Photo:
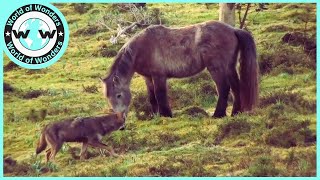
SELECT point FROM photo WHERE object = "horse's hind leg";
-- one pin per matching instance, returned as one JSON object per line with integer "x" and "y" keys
{"x": 160, "y": 86}
{"x": 223, "y": 88}
{"x": 152, "y": 96}
{"x": 235, "y": 87}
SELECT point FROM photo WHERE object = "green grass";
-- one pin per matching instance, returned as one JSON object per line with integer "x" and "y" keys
{"x": 191, "y": 143}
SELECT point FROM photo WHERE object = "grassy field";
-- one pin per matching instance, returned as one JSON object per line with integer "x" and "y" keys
{"x": 278, "y": 139}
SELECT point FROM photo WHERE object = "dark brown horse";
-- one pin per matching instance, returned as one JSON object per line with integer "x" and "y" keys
{"x": 159, "y": 53}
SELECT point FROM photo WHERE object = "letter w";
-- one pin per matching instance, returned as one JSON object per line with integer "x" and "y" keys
{"x": 21, "y": 33}
{"x": 47, "y": 34}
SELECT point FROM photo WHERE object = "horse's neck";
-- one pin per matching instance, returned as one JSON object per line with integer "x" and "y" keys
{"x": 125, "y": 77}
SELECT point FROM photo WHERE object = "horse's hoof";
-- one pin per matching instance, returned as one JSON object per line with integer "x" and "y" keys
{"x": 219, "y": 115}
{"x": 166, "y": 113}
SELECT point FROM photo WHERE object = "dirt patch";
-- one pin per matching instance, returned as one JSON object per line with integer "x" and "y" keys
{"x": 89, "y": 30}
{"x": 294, "y": 100}
{"x": 280, "y": 57}
{"x": 82, "y": 8}
{"x": 7, "y": 87}
{"x": 277, "y": 28}
{"x": 12, "y": 168}
{"x": 10, "y": 66}
{"x": 142, "y": 106}
{"x": 285, "y": 131}
{"x": 194, "y": 111}
{"x": 232, "y": 127}
{"x": 301, "y": 39}
{"x": 105, "y": 51}
{"x": 90, "y": 88}
{"x": 75, "y": 153}
{"x": 34, "y": 93}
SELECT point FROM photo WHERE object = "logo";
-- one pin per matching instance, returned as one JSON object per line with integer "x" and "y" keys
{"x": 35, "y": 36}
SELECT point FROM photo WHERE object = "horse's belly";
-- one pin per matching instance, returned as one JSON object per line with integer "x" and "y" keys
{"x": 179, "y": 68}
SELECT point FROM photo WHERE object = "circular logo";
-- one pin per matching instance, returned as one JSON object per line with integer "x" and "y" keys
{"x": 35, "y": 36}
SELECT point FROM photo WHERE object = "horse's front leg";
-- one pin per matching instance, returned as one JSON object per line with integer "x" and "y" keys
{"x": 160, "y": 89}
{"x": 151, "y": 94}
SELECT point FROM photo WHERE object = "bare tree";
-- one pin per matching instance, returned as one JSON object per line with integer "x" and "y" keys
{"x": 227, "y": 13}
{"x": 122, "y": 25}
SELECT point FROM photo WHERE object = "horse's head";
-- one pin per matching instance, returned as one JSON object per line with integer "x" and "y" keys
{"x": 117, "y": 93}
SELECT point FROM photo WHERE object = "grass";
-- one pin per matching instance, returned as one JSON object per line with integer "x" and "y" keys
{"x": 278, "y": 139}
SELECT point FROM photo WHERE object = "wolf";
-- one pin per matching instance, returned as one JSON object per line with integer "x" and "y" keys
{"x": 88, "y": 130}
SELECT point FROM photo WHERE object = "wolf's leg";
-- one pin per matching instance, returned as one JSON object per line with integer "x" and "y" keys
{"x": 98, "y": 144}
{"x": 152, "y": 96}
{"x": 83, "y": 150}
{"x": 48, "y": 151}
{"x": 160, "y": 89}
{"x": 55, "y": 148}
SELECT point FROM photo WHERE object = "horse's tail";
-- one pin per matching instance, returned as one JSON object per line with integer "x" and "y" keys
{"x": 42, "y": 143}
{"x": 248, "y": 70}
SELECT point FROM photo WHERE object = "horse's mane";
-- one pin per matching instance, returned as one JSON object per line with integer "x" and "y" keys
{"x": 122, "y": 62}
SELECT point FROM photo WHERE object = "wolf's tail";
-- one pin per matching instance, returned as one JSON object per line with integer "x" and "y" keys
{"x": 42, "y": 143}
{"x": 248, "y": 70}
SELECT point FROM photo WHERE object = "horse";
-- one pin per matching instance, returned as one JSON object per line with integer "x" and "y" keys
{"x": 158, "y": 53}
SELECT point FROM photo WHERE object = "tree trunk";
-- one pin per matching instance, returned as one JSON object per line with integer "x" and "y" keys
{"x": 227, "y": 13}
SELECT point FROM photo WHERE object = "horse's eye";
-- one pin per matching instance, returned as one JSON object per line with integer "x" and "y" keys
{"x": 119, "y": 96}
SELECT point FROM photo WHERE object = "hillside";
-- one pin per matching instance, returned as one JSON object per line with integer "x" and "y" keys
{"x": 278, "y": 139}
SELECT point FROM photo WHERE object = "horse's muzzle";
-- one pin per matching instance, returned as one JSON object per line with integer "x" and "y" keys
{"x": 123, "y": 127}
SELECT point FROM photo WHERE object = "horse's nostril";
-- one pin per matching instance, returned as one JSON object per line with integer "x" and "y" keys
{"x": 122, "y": 128}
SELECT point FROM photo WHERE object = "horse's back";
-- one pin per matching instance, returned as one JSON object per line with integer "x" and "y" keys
{"x": 182, "y": 52}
